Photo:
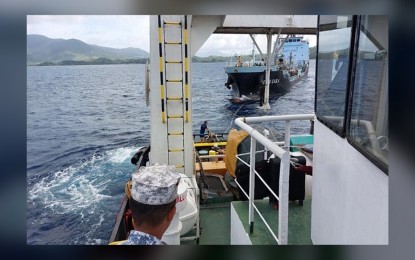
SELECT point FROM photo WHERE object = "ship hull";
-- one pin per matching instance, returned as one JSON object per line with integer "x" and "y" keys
{"x": 245, "y": 82}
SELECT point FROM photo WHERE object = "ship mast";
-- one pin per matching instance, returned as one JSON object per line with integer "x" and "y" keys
{"x": 256, "y": 44}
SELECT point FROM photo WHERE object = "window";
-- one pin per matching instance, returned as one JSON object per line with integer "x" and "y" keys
{"x": 334, "y": 41}
{"x": 368, "y": 127}
{"x": 352, "y": 82}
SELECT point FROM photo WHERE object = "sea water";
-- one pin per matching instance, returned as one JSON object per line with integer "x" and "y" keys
{"x": 84, "y": 123}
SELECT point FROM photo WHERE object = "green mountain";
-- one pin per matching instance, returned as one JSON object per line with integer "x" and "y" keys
{"x": 41, "y": 49}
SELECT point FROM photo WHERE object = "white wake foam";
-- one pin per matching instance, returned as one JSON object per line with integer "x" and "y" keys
{"x": 82, "y": 185}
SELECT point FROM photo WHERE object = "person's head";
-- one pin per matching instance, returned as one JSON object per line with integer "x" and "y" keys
{"x": 205, "y": 122}
{"x": 153, "y": 198}
{"x": 152, "y": 217}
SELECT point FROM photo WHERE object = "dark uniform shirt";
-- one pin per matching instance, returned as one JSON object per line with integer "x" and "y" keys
{"x": 202, "y": 129}
{"x": 141, "y": 238}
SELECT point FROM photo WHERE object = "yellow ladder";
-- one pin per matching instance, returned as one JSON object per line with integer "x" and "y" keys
{"x": 174, "y": 86}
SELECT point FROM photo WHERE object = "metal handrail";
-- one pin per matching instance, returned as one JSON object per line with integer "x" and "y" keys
{"x": 284, "y": 155}
{"x": 217, "y": 134}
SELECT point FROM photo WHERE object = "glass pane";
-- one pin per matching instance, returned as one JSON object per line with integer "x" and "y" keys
{"x": 369, "y": 124}
{"x": 332, "y": 68}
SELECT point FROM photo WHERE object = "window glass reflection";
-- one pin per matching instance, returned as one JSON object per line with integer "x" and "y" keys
{"x": 369, "y": 115}
{"x": 332, "y": 69}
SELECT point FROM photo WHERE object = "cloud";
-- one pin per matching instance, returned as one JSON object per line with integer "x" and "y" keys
{"x": 238, "y": 44}
{"x": 229, "y": 45}
{"x": 122, "y": 31}
{"x": 117, "y": 31}
{"x": 54, "y": 19}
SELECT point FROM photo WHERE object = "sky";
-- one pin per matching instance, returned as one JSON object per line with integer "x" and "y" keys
{"x": 123, "y": 31}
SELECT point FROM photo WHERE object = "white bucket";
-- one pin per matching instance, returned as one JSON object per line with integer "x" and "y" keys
{"x": 172, "y": 234}
{"x": 188, "y": 216}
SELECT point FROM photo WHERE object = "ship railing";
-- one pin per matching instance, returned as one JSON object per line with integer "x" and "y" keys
{"x": 230, "y": 64}
{"x": 371, "y": 136}
{"x": 214, "y": 136}
{"x": 213, "y": 157}
{"x": 244, "y": 64}
{"x": 284, "y": 155}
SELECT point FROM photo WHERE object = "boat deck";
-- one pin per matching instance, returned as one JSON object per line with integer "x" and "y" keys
{"x": 218, "y": 167}
{"x": 215, "y": 223}
{"x": 299, "y": 222}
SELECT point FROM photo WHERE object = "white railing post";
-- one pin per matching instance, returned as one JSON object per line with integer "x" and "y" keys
{"x": 287, "y": 135}
{"x": 266, "y": 134}
{"x": 284, "y": 155}
{"x": 283, "y": 199}
{"x": 252, "y": 184}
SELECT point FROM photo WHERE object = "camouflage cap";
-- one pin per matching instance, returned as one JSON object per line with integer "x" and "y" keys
{"x": 155, "y": 185}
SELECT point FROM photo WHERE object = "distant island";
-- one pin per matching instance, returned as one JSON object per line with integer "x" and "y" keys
{"x": 99, "y": 61}
{"x": 44, "y": 51}
{"x": 104, "y": 61}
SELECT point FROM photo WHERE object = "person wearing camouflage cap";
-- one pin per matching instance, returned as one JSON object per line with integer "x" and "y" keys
{"x": 152, "y": 201}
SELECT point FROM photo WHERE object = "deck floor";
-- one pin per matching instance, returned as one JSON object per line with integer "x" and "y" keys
{"x": 215, "y": 223}
{"x": 299, "y": 222}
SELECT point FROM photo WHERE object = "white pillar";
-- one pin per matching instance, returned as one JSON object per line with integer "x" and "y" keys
{"x": 268, "y": 72}
{"x": 252, "y": 184}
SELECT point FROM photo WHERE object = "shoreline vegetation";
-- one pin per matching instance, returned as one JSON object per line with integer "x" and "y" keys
{"x": 107, "y": 61}
{"x": 44, "y": 51}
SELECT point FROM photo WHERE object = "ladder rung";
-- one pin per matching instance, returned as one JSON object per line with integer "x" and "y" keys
{"x": 176, "y": 43}
{"x": 174, "y": 80}
{"x": 172, "y": 23}
{"x": 173, "y": 62}
{"x": 176, "y": 150}
{"x": 175, "y": 98}
{"x": 175, "y": 133}
{"x": 175, "y": 116}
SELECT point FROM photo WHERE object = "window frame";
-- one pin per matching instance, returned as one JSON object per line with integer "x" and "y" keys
{"x": 351, "y": 64}
{"x": 349, "y": 106}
